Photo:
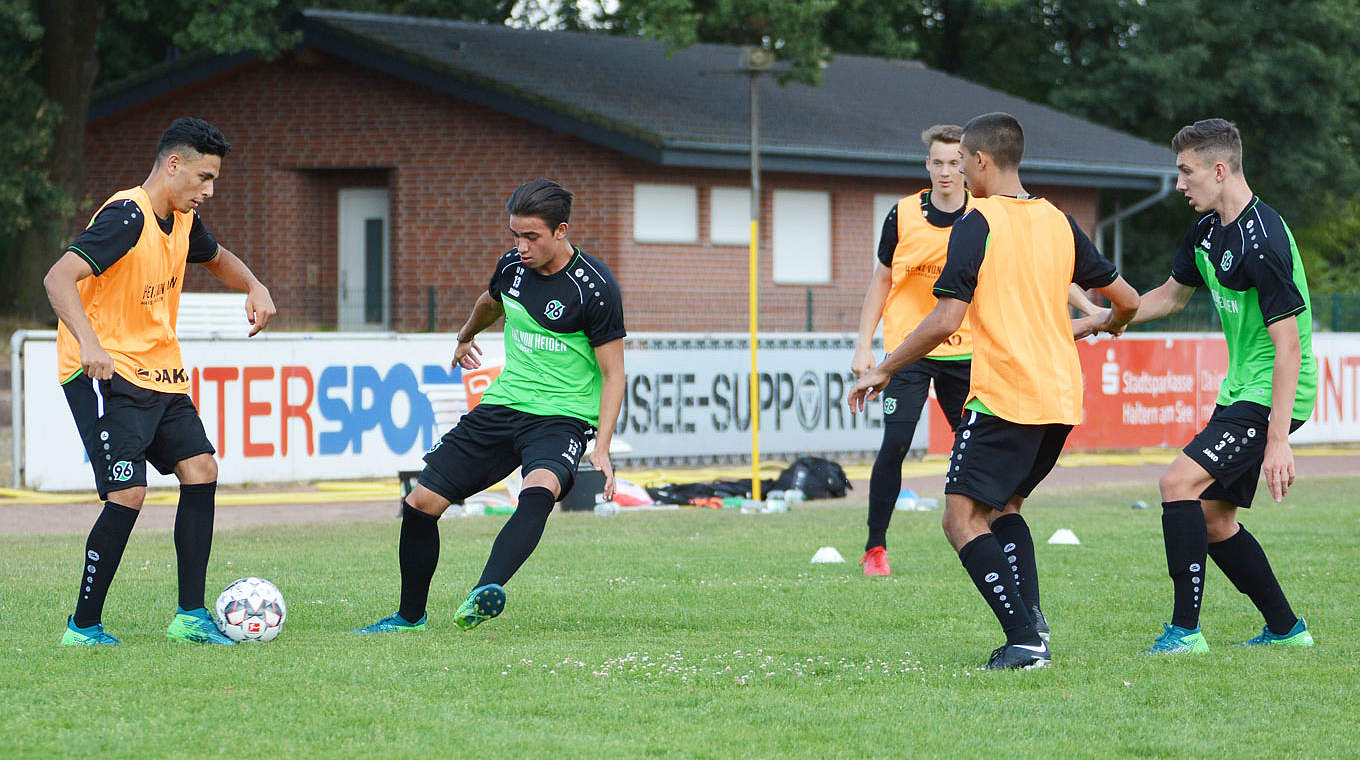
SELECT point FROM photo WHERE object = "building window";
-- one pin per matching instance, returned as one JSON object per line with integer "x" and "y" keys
{"x": 730, "y": 216}
{"x": 665, "y": 213}
{"x": 802, "y": 237}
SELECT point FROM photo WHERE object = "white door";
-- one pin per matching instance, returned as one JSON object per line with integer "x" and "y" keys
{"x": 364, "y": 297}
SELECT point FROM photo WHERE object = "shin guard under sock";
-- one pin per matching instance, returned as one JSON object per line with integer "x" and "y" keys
{"x": 1012, "y": 532}
{"x": 418, "y": 555}
{"x": 987, "y": 566}
{"x": 193, "y": 540}
{"x": 519, "y": 537}
{"x": 103, "y": 551}
{"x": 1187, "y": 548}
{"x": 1242, "y": 559}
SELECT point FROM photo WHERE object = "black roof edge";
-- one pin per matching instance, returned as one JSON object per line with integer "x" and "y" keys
{"x": 122, "y": 96}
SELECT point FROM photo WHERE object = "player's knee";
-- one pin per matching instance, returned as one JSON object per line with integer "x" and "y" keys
{"x": 896, "y": 441}
{"x": 543, "y": 475}
{"x": 131, "y": 498}
{"x": 197, "y": 469}
{"x": 1174, "y": 486}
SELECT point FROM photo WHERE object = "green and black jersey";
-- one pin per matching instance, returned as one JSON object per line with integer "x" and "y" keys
{"x": 1252, "y": 269}
{"x": 553, "y": 324}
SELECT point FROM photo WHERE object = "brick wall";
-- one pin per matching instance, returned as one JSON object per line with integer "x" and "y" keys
{"x": 303, "y": 127}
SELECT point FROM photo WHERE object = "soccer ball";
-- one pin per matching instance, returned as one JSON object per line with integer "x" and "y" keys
{"x": 250, "y": 609}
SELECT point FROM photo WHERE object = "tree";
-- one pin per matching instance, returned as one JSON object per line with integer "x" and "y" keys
{"x": 55, "y": 51}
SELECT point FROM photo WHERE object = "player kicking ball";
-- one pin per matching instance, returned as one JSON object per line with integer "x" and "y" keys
{"x": 1244, "y": 253}
{"x": 563, "y": 379}
{"x": 116, "y": 291}
{"x": 1010, "y": 264}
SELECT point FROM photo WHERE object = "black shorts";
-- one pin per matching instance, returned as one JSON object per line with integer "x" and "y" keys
{"x": 905, "y": 396}
{"x": 995, "y": 459}
{"x": 1232, "y": 448}
{"x": 124, "y": 426}
{"x": 490, "y": 441}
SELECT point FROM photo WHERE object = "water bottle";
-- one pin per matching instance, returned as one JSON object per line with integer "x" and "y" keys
{"x": 606, "y": 509}
{"x": 775, "y": 505}
{"x": 906, "y": 500}
{"x": 750, "y": 506}
{"x": 794, "y": 496}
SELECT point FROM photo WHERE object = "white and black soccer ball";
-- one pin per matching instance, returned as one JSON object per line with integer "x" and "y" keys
{"x": 250, "y": 609}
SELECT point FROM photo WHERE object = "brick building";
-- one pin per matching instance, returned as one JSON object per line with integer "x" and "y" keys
{"x": 371, "y": 165}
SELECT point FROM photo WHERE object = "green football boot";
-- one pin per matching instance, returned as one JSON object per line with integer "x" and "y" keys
{"x": 195, "y": 626}
{"x": 1178, "y": 640}
{"x": 394, "y": 623}
{"x": 1298, "y": 636}
{"x": 91, "y": 636}
{"x": 484, "y": 603}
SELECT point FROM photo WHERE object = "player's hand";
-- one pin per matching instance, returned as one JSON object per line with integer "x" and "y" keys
{"x": 96, "y": 362}
{"x": 867, "y": 389}
{"x": 1278, "y": 468}
{"x": 599, "y": 459}
{"x": 1083, "y": 327}
{"x": 468, "y": 355}
{"x": 862, "y": 362}
{"x": 259, "y": 309}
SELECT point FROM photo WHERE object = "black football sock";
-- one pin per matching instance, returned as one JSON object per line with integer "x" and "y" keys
{"x": 193, "y": 540}
{"x": 1017, "y": 544}
{"x": 992, "y": 575}
{"x": 1242, "y": 559}
{"x": 1187, "y": 549}
{"x": 103, "y": 551}
{"x": 519, "y": 537}
{"x": 885, "y": 481}
{"x": 418, "y": 554}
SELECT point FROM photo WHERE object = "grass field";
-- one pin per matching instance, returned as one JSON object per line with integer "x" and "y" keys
{"x": 695, "y": 634}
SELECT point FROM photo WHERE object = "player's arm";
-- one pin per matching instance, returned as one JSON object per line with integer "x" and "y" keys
{"x": 484, "y": 314}
{"x": 610, "y": 358}
{"x": 1164, "y": 300}
{"x": 1077, "y": 299}
{"x": 232, "y": 272}
{"x": 60, "y": 283}
{"x": 1284, "y": 383}
{"x": 942, "y": 321}
{"x": 880, "y": 282}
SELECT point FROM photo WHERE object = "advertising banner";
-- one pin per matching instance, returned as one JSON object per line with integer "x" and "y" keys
{"x": 289, "y": 407}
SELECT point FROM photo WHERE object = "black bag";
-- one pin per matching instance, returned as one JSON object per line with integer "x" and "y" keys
{"x": 817, "y": 478}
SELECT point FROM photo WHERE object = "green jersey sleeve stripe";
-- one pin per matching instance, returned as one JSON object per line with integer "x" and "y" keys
{"x": 97, "y": 270}
{"x": 1293, "y": 313}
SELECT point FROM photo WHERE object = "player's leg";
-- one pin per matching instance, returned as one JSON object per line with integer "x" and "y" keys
{"x": 1238, "y": 554}
{"x": 107, "y": 422}
{"x": 1013, "y": 533}
{"x": 991, "y": 458}
{"x": 903, "y": 401}
{"x": 1186, "y": 541}
{"x": 1214, "y": 456}
{"x": 181, "y": 446}
{"x": 550, "y": 451}
{"x": 475, "y": 454}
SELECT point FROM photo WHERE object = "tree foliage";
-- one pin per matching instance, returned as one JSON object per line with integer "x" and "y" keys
{"x": 1284, "y": 72}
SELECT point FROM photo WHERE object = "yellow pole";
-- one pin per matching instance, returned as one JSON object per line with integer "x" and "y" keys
{"x": 753, "y": 305}
{"x": 753, "y": 396}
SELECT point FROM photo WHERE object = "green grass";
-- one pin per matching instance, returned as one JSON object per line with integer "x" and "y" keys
{"x": 696, "y": 634}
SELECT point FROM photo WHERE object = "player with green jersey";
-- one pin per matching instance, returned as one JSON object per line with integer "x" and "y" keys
{"x": 563, "y": 379}
{"x": 1244, "y": 254}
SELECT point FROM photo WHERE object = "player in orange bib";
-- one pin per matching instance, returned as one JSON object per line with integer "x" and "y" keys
{"x": 911, "y": 253}
{"x": 1011, "y": 262}
{"x": 116, "y": 291}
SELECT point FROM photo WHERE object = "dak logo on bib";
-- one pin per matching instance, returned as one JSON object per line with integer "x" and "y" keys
{"x": 554, "y": 309}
